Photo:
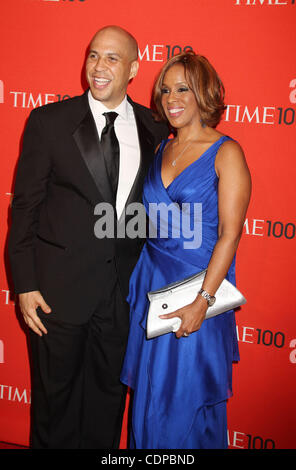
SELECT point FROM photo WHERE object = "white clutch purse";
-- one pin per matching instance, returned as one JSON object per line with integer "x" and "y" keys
{"x": 181, "y": 293}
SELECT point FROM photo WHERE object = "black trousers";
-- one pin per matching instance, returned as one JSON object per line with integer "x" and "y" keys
{"x": 78, "y": 400}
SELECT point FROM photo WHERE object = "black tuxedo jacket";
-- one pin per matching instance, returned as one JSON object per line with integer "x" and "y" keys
{"x": 60, "y": 179}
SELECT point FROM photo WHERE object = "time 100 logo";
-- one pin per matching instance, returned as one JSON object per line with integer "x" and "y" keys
{"x": 160, "y": 52}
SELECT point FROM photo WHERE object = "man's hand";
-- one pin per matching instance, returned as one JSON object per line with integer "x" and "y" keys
{"x": 29, "y": 301}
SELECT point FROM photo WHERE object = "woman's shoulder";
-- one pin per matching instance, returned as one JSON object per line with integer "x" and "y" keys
{"x": 163, "y": 144}
{"x": 230, "y": 157}
{"x": 230, "y": 148}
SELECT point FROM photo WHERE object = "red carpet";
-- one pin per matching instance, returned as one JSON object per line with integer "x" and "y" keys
{"x": 7, "y": 445}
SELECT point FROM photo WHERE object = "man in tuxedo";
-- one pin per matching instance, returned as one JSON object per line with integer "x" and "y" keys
{"x": 72, "y": 285}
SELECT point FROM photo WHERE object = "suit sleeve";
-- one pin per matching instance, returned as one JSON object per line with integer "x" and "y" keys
{"x": 161, "y": 132}
{"x": 32, "y": 176}
{"x": 165, "y": 130}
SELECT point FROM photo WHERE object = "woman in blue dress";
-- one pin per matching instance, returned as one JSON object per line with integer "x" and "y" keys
{"x": 181, "y": 381}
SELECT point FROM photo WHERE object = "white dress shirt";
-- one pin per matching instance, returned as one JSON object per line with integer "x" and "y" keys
{"x": 126, "y": 132}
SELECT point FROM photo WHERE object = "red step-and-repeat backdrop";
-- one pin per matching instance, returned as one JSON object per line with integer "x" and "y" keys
{"x": 251, "y": 43}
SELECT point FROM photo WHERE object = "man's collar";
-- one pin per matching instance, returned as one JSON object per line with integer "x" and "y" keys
{"x": 98, "y": 107}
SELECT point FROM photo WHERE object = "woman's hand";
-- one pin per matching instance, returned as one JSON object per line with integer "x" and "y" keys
{"x": 191, "y": 315}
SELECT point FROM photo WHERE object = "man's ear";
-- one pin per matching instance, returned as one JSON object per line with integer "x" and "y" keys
{"x": 134, "y": 69}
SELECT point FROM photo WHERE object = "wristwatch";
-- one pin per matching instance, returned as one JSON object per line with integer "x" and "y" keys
{"x": 210, "y": 298}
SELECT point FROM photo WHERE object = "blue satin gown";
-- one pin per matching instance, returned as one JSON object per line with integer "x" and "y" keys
{"x": 180, "y": 385}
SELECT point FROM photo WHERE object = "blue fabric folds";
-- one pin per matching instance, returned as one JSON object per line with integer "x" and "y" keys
{"x": 173, "y": 379}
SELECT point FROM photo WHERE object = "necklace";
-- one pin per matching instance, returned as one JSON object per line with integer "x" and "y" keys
{"x": 174, "y": 162}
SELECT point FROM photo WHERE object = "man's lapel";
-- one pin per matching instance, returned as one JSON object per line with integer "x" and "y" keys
{"x": 146, "y": 143}
{"x": 87, "y": 140}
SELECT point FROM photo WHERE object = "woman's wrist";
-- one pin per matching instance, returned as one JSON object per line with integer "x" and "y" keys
{"x": 201, "y": 300}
